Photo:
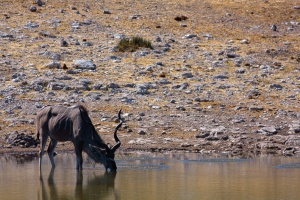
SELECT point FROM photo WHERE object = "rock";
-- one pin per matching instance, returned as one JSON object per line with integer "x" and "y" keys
{"x": 159, "y": 63}
{"x": 87, "y": 44}
{"x": 6, "y": 35}
{"x": 87, "y": 22}
{"x": 106, "y": 12}
{"x": 231, "y": 55}
{"x": 52, "y": 55}
{"x": 164, "y": 82}
{"x": 252, "y": 94}
{"x": 56, "y": 86}
{"x": 185, "y": 144}
{"x": 256, "y": 108}
{"x": 189, "y": 36}
{"x": 98, "y": 86}
{"x": 293, "y": 140}
{"x": 76, "y": 25}
{"x": 225, "y": 137}
{"x": 84, "y": 64}
{"x": 240, "y": 71}
{"x": 296, "y": 7}
{"x": 208, "y": 36}
{"x": 181, "y": 18}
{"x": 119, "y": 36}
{"x": 289, "y": 151}
{"x": 113, "y": 86}
{"x": 221, "y": 77}
{"x": 245, "y": 41}
{"x": 33, "y": 8}
{"x": 276, "y": 87}
{"x": 94, "y": 96}
{"x": 40, "y": 3}
{"x": 39, "y": 84}
{"x": 274, "y": 27}
{"x": 10, "y": 137}
{"x": 212, "y": 138}
{"x": 294, "y": 128}
{"x": 134, "y": 17}
{"x": 31, "y": 25}
{"x": 129, "y": 85}
{"x": 141, "y": 141}
{"x": 173, "y": 101}
{"x": 63, "y": 43}
{"x": 268, "y": 131}
{"x": 218, "y": 130}
{"x": 143, "y": 53}
{"x": 183, "y": 25}
{"x": 46, "y": 34}
{"x": 268, "y": 146}
{"x": 142, "y": 132}
{"x": 184, "y": 86}
{"x": 38, "y": 105}
{"x": 143, "y": 88}
{"x": 202, "y": 135}
{"x": 53, "y": 65}
{"x": 187, "y": 75}
{"x": 23, "y": 140}
{"x": 180, "y": 107}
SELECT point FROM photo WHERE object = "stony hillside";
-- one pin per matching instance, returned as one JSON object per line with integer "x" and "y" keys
{"x": 222, "y": 74}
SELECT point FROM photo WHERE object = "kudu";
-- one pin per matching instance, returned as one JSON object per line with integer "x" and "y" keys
{"x": 74, "y": 124}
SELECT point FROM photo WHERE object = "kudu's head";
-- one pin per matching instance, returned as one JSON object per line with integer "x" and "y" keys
{"x": 106, "y": 154}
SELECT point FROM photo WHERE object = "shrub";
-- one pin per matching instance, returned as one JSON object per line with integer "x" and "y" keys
{"x": 132, "y": 44}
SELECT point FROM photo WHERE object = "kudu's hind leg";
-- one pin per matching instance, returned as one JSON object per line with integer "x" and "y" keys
{"x": 79, "y": 159}
{"x": 50, "y": 151}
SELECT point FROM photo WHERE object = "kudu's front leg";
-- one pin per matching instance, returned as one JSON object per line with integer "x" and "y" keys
{"x": 50, "y": 151}
{"x": 79, "y": 161}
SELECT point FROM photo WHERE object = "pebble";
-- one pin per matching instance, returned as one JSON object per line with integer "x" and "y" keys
{"x": 245, "y": 42}
{"x": 276, "y": 87}
{"x": 40, "y": 2}
{"x": 136, "y": 16}
{"x": 33, "y": 8}
{"x": 142, "y": 132}
{"x": 189, "y": 36}
{"x": 296, "y": 7}
{"x": 63, "y": 43}
{"x": 107, "y": 12}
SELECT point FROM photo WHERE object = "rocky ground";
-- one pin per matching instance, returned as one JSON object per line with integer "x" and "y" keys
{"x": 222, "y": 75}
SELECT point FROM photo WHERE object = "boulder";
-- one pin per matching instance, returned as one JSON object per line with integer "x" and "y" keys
{"x": 84, "y": 64}
{"x": 23, "y": 140}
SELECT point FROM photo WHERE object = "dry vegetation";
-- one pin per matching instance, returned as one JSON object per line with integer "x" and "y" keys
{"x": 220, "y": 25}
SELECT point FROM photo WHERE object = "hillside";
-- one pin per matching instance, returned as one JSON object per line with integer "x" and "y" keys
{"x": 222, "y": 75}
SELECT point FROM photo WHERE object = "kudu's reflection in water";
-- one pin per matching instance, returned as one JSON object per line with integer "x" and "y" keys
{"x": 100, "y": 186}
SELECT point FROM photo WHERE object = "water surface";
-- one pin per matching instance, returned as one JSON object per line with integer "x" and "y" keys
{"x": 152, "y": 176}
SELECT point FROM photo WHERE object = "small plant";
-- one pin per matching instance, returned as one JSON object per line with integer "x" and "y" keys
{"x": 132, "y": 44}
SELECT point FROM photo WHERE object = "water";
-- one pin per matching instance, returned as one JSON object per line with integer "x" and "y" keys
{"x": 152, "y": 176}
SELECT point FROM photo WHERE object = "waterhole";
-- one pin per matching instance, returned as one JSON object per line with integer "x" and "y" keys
{"x": 151, "y": 176}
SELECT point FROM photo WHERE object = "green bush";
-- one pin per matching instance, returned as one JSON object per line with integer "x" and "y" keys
{"x": 132, "y": 44}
